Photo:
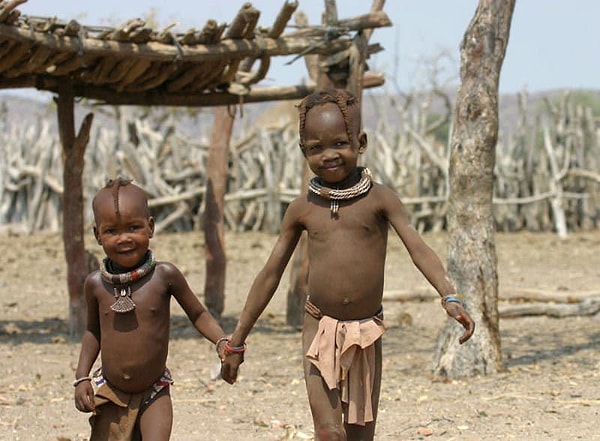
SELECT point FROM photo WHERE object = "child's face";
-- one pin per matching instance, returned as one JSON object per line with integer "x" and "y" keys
{"x": 124, "y": 236}
{"x": 329, "y": 152}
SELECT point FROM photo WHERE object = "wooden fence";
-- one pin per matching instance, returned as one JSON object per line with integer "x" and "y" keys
{"x": 547, "y": 168}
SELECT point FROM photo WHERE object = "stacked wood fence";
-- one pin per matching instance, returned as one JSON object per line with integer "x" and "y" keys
{"x": 547, "y": 168}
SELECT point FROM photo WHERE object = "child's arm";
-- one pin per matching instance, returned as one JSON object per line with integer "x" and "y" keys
{"x": 201, "y": 318}
{"x": 426, "y": 260}
{"x": 263, "y": 288}
{"x": 90, "y": 348}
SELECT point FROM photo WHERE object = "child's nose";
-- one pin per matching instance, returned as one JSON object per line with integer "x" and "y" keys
{"x": 330, "y": 153}
{"x": 123, "y": 236}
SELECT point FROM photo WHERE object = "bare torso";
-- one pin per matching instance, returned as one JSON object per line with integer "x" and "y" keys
{"x": 346, "y": 256}
{"x": 136, "y": 343}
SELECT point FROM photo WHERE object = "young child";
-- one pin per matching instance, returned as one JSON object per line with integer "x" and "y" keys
{"x": 128, "y": 303}
{"x": 347, "y": 218}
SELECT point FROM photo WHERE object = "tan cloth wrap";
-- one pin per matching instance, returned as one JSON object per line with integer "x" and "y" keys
{"x": 122, "y": 416}
{"x": 344, "y": 353}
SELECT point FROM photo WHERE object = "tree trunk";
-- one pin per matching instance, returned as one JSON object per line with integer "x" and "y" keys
{"x": 472, "y": 261}
{"x": 216, "y": 168}
{"x": 74, "y": 245}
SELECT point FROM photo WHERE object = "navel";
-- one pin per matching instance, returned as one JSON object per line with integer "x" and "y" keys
{"x": 346, "y": 301}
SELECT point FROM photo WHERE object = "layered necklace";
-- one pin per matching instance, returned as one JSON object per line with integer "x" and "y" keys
{"x": 335, "y": 195}
{"x": 121, "y": 282}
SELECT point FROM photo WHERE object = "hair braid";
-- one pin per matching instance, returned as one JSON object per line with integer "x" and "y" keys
{"x": 340, "y": 97}
{"x": 115, "y": 185}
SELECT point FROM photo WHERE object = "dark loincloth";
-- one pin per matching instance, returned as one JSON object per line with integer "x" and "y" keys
{"x": 117, "y": 413}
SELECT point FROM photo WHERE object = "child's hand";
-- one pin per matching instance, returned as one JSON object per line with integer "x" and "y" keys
{"x": 230, "y": 365}
{"x": 84, "y": 397}
{"x": 458, "y": 313}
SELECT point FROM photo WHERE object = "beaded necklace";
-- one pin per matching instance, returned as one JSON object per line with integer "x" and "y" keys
{"x": 335, "y": 195}
{"x": 121, "y": 282}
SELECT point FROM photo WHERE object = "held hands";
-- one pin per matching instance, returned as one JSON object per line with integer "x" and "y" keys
{"x": 455, "y": 308}
{"x": 231, "y": 358}
{"x": 84, "y": 395}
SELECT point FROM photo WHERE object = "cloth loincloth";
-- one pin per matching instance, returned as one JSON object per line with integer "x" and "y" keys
{"x": 344, "y": 352}
{"x": 125, "y": 408}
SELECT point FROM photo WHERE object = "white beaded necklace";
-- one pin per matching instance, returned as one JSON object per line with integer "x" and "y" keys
{"x": 335, "y": 195}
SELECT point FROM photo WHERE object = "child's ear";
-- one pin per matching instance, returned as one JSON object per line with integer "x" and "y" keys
{"x": 151, "y": 226}
{"x": 362, "y": 142}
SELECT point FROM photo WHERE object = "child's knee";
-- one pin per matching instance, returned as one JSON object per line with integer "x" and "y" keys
{"x": 330, "y": 432}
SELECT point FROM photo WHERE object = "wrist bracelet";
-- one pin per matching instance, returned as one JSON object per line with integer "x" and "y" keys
{"x": 81, "y": 380}
{"x": 234, "y": 349}
{"x": 219, "y": 341}
{"x": 454, "y": 298}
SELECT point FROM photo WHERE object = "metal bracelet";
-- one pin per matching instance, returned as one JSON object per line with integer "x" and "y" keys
{"x": 454, "y": 298}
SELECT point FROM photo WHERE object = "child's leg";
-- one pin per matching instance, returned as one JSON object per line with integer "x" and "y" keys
{"x": 157, "y": 419}
{"x": 356, "y": 432}
{"x": 325, "y": 404}
{"x": 105, "y": 422}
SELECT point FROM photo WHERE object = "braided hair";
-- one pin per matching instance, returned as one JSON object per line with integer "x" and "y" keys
{"x": 345, "y": 101}
{"x": 114, "y": 185}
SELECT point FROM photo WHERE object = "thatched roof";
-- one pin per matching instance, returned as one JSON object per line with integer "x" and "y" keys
{"x": 135, "y": 64}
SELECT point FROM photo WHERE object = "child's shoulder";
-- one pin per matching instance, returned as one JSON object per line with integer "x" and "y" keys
{"x": 166, "y": 268}
{"x": 93, "y": 278}
{"x": 379, "y": 189}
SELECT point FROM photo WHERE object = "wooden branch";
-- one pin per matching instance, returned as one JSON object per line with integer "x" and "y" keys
{"x": 587, "y": 307}
{"x": 584, "y": 174}
{"x": 167, "y": 200}
{"x": 175, "y": 215}
{"x": 153, "y": 51}
{"x": 256, "y": 94}
{"x": 509, "y": 295}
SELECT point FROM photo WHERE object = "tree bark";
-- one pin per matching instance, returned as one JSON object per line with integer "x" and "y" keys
{"x": 472, "y": 261}
{"x": 72, "y": 200}
{"x": 216, "y": 259}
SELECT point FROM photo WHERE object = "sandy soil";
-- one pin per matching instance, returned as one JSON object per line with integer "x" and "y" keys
{"x": 550, "y": 391}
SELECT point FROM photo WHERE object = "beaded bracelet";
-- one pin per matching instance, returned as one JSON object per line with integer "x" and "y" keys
{"x": 81, "y": 380}
{"x": 454, "y": 298}
{"x": 234, "y": 349}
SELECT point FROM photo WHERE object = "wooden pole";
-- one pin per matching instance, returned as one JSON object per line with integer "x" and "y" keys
{"x": 216, "y": 259}
{"x": 73, "y": 150}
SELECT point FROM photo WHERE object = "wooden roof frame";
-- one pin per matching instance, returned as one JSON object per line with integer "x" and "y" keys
{"x": 134, "y": 64}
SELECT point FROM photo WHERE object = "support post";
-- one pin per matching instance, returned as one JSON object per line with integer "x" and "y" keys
{"x": 73, "y": 148}
{"x": 216, "y": 259}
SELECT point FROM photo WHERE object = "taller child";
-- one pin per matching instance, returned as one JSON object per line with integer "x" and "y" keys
{"x": 128, "y": 313}
{"x": 347, "y": 217}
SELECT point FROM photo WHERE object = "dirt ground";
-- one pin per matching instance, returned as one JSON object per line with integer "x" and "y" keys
{"x": 550, "y": 390}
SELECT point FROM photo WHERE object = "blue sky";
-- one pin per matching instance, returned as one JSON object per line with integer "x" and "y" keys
{"x": 553, "y": 43}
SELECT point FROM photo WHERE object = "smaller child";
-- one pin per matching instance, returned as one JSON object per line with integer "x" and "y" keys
{"x": 128, "y": 316}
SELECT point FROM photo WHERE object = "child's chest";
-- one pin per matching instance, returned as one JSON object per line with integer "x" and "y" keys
{"x": 147, "y": 297}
